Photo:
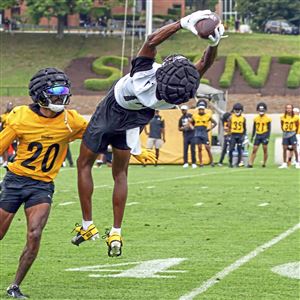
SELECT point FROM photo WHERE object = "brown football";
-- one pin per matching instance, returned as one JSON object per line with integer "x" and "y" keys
{"x": 207, "y": 27}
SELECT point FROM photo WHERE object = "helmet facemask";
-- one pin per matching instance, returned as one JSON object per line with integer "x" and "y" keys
{"x": 55, "y": 98}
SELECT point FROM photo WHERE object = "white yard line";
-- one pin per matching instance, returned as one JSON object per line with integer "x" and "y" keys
{"x": 264, "y": 204}
{"x": 182, "y": 177}
{"x": 219, "y": 276}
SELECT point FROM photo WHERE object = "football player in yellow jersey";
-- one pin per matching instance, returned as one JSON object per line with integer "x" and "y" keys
{"x": 44, "y": 130}
{"x": 290, "y": 127}
{"x": 237, "y": 125}
{"x": 261, "y": 131}
{"x": 296, "y": 111}
{"x": 201, "y": 122}
{"x": 3, "y": 117}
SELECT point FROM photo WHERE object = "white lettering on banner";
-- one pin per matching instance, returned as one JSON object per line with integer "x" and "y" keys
{"x": 146, "y": 269}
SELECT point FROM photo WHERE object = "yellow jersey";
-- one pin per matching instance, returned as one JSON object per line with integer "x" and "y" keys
{"x": 226, "y": 128}
{"x": 290, "y": 123}
{"x": 43, "y": 141}
{"x": 237, "y": 124}
{"x": 3, "y": 118}
{"x": 261, "y": 123}
{"x": 201, "y": 120}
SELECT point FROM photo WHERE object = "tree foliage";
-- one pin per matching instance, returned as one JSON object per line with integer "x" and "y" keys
{"x": 260, "y": 11}
{"x": 8, "y": 3}
{"x": 57, "y": 8}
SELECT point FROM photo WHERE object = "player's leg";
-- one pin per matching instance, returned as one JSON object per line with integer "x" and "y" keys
{"x": 265, "y": 150}
{"x": 85, "y": 164}
{"x": 193, "y": 152}
{"x": 211, "y": 160}
{"x": 37, "y": 217}
{"x": 231, "y": 149}
{"x": 200, "y": 154}
{"x": 295, "y": 152}
{"x": 253, "y": 155}
{"x": 185, "y": 151}
{"x": 240, "y": 150}
{"x": 119, "y": 172}
{"x": 5, "y": 221}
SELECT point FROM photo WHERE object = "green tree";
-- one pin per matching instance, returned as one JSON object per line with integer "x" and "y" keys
{"x": 260, "y": 11}
{"x": 201, "y": 4}
{"x": 57, "y": 8}
{"x": 8, "y": 3}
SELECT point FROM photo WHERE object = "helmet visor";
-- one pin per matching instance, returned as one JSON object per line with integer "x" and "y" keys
{"x": 59, "y": 95}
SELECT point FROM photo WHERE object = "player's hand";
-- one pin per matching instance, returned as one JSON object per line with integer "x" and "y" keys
{"x": 188, "y": 22}
{"x": 219, "y": 34}
{"x": 146, "y": 155}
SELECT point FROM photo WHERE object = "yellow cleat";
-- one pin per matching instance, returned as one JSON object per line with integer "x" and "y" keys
{"x": 114, "y": 243}
{"x": 84, "y": 235}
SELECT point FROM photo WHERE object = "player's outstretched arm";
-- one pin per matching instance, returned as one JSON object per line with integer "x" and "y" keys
{"x": 153, "y": 40}
{"x": 7, "y": 136}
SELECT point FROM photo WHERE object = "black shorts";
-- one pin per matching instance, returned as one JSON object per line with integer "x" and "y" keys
{"x": 109, "y": 123}
{"x": 17, "y": 190}
{"x": 200, "y": 140}
{"x": 236, "y": 139}
{"x": 290, "y": 141}
{"x": 261, "y": 139}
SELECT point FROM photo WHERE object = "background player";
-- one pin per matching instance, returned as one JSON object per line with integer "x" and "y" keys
{"x": 227, "y": 137}
{"x": 129, "y": 106}
{"x": 289, "y": 127}
{"x": 156, "y": 134}
{"x": 237, "y": 125}
{"x": 44, "y": 129}
{"x": 184, "y": 125}
{"x": 261, "y": 131}
{"x": 201, "y": 122}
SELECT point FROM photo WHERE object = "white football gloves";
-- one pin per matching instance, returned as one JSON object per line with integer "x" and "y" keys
{"x": 188, "y": 22}
{"x": 219, "y": 31}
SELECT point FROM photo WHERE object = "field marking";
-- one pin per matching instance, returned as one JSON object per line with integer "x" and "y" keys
{"x": 65, "y": 203}
{"x": 219, "y": 276}
{"x": 182, "y": 177}
{"x": 263, "y": 204}
{"x": 198, "y": 204}
{"x": 150, "y": 187}
{"x": 132, "y": 203}
{"x": 290, "y": 270}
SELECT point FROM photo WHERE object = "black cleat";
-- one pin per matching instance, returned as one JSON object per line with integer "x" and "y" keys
{"x": 15, "y": 292}
{"x": 249, "y": 166}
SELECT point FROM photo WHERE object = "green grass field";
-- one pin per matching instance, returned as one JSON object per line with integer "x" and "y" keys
{"x": 23, "y": 54}
{"x": 164, "y": 219}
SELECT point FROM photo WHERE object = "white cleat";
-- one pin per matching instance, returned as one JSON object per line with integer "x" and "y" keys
{"x": 297, "y": 165}
{"x": 283, "y": 166}
{"x": 194, "y": 166}
{"x": 185, "y": 166}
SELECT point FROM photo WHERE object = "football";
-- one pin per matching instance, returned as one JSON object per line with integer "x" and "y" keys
{"x": 206, "y": 27}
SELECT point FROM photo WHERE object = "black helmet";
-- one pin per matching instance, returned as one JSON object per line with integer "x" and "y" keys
{"x": 226, "y": 116}
{"x": 238, "y": 107}
{"x": 53, "y": 80}
{"x": 201, "y": 104}
{"x": 177, "y": 80}
{"x": 261, "y": 106}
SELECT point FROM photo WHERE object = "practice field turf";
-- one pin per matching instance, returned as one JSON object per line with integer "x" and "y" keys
{"x": 189, "y": 234}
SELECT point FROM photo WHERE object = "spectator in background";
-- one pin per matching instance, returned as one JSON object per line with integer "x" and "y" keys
{"x": 296, "y": 111}
{"x": 261, "y": 131}
{"x": 237, "y": 125}
{"x": 6, "y": 23}
{"x": 289, "y": 126}
{"x": 187, "y": 129}
{"x": 227, "y": 137}
{"x": 237, "y": 25}
{"x": 3, "y": 118}
{"x": 201, "y": 122}
{"x": 156, "y": 134}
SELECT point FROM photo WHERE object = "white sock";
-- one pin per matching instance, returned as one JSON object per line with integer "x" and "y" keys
{"x": 116, "y": 230}
{"x": 86, "y": 224}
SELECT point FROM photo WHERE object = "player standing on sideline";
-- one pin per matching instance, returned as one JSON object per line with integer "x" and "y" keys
{"x": 237, "y": 125}
{"x": 156, "y": 134}
{"x": 289, "y": 126}
{"x": 227, "y": 137}
{"x": 296, "y": 111}
{"x": 44, "y": 130}
{"x": 261, "y": 131}
{"x": 129, "y": 106}
{"x": 184, "y": 125}
{"x": 201, "y": 122}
